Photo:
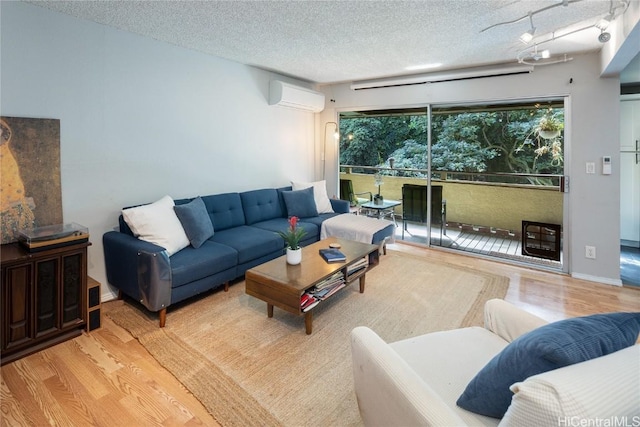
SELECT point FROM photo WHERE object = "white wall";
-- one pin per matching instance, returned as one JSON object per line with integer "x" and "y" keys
{"x": 592, "y": 130}
{"x": 140, "y": 119}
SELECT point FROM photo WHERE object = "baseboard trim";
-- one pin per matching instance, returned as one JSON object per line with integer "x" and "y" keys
{"x": 630, "y": 243}
{"x": 108, "y": 295}
{"x": 604, "y": 280}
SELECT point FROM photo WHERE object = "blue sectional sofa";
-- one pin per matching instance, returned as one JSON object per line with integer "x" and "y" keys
{"x": 245, "y": 227}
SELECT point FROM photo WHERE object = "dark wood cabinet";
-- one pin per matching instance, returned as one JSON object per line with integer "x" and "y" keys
{"x": 541, "y": 240}
{"x": 44, "y": 297}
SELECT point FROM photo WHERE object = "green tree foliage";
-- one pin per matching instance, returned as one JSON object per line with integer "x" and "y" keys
{"x": 505, "y": 141}
{"x": 460, "y": 142}
{"x": 413, "y": 155}
{"x": 370, "y": 141}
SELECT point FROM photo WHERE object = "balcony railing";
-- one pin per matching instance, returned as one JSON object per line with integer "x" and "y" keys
{"x": 547, "y": 181}
{"x": 492, "y": 201}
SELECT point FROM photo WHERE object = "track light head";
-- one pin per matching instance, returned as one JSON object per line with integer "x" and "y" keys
{"x": 528, "y": 36}
{"x": 604, "y": 22}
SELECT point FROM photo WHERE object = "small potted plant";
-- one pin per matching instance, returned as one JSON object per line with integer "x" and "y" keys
{"x": 377, "y": 180}
{"x": 292, "y": 238}
{"x": 549, "y": 127}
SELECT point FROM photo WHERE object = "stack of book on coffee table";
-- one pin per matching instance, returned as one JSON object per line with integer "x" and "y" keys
{"x": 322, "y": 291}
{"x": 357, "y": 266}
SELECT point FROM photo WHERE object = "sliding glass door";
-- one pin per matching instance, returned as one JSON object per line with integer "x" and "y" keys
{"x": 468, "y": 178}
{"x": 500, "y": 167}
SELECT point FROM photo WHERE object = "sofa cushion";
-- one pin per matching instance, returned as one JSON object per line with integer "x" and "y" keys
{"x": 250, "y": 242}
{"x": 282, "y": 224}
{"x": 261, "y": 205}
{"x": 225, "y": 210}
{"x": 340, "y": 206}
{"x": 195, "y": 220}
{"x": 300, "y": 203}
{"x": 157, "y": 223}
{"x": 191, "y": 264}
{"x": 544, "y": 349}
{"x": 283, "y": 205}
{"x": 323, "y": 205}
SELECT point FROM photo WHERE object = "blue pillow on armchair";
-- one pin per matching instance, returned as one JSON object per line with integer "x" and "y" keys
{"x": 300, "y": 203}
{"x": 195, "y": 221}
{"x": 544, "y": 349}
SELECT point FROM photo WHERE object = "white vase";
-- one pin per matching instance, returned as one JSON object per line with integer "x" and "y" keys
{"x": 294, "y": 256}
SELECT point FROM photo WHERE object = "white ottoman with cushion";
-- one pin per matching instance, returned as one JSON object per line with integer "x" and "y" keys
{"x": 360, "y": 229}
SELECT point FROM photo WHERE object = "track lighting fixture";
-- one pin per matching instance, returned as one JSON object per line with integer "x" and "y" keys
{"x": 604, "y": 22}
{"x": 531, "y": 55}
{"x": 528, "y": 36}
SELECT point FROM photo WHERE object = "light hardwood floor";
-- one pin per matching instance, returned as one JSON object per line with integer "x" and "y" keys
{"x": 103, "y": 378}
{"x": 106, "y": 378}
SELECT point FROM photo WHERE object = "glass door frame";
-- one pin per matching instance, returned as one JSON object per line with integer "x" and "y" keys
{"x": 565, "y": 99}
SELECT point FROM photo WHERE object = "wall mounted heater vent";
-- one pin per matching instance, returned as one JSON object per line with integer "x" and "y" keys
{"x": 445, "y": 76}
{"x": 300, "y": 98}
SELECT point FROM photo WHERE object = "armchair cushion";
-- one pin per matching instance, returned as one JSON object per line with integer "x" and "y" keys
{"x": 195, "y": 221}
{"x": 600, "y": 388}
{"x": 544, "y": 349}
{"x": 157, "y": 223}
{"x": 300, "y": 203}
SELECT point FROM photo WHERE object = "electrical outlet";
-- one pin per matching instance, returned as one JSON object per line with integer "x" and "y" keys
{"x": 590, "y": 252}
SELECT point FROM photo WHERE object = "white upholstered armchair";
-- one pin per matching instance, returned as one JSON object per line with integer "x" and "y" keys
{"x": 417, "y": 381}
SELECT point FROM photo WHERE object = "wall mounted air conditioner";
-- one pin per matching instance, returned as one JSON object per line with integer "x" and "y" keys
{"x": 300, "y": 98}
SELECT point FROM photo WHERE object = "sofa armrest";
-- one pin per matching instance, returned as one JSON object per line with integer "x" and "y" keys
{"x": 388, "y": 390}
{"x": 139, "y": 269}
{"x": 508, "y": 321}
{"x": 339, "y": 206}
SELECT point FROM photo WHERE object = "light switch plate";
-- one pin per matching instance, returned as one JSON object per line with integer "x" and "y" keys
{"x": 606, "y": 165}
{"x": 591, "y": 167}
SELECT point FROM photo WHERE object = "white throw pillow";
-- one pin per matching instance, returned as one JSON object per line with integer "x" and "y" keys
{"x": 157, "y": 223}
{"x": 323, "y": 204}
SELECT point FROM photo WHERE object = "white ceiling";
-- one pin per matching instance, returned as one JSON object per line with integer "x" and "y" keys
{"x": 339, "y": 41}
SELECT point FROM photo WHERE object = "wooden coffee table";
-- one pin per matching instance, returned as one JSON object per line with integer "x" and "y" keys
{"x": 282, "y": 285}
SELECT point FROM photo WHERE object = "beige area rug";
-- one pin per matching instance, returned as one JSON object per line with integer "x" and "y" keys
{"x": 250, "y": 370}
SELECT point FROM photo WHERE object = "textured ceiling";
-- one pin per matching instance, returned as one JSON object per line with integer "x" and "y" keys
{"x": 338, "y": 41}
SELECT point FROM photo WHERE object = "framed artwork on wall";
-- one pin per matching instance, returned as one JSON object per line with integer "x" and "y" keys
{"x": 30, "y": 188}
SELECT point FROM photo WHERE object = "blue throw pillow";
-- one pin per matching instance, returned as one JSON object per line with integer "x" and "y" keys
{"x": 544, "y": 349}
{"x": 300, "y": 203}
{"x": 195, "y": 221}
